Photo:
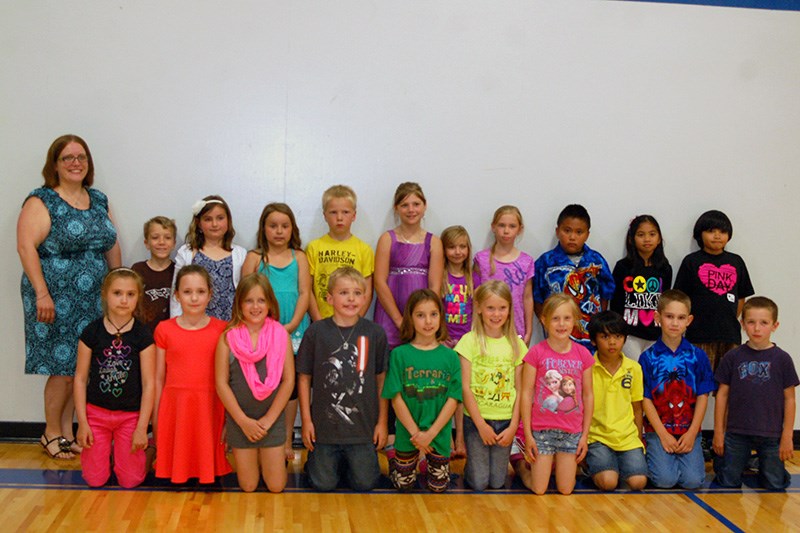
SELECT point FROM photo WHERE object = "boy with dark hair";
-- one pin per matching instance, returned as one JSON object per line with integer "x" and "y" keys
{"x": 755, "y": 404}
{"x": 717, "y": 281}
{"x": 615, "y": 434}
{"x": 574, "y": 268}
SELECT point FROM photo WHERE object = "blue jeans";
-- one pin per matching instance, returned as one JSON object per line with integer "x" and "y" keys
{"x": 487, "y": 466}
{"x": 669, "y": 469}
{"x": 328, "y": 463}
{"x": 771, "y": 472}
{"x": 626, "y": 463}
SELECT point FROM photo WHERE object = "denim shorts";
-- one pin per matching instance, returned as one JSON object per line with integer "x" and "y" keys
{"x": 552, "y": 441}
{"x": 628, "y": 463}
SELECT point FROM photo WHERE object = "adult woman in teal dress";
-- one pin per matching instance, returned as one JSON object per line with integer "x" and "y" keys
{"x": 66, "y": 242}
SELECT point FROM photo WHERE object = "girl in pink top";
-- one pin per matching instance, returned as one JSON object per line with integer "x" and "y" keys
{"x": 549, "y": 432}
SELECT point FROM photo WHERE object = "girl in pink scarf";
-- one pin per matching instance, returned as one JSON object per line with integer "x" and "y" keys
{"x": 255, "y": 378}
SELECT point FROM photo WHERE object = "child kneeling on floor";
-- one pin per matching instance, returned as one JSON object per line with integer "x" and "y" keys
{"x": 615, "y": 434}
{"x": 755, "y": 403}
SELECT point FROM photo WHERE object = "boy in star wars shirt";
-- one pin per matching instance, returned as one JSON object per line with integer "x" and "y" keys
{"x": 344, "y": 358}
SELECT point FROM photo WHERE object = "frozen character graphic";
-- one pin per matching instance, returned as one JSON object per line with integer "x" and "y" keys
{"x": 569, "y": 400}
{"x": 552, "y": 381}
{"x": 344, "y": 380}
{"x": 675, "y": 403}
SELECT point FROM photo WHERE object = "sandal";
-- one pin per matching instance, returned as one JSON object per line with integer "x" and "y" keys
{"x": 63, "y": 452}
{"x": 73, "y": 447}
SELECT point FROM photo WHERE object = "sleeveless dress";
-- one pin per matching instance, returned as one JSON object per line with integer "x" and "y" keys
{"x": 253, "y": 408}
{"x": 73, "y": 265}
{"x": 190, "y": 414}
{"x": 221, "y": 304}
{"x": 408, "y": 271}
{"x": 284, "y": 283}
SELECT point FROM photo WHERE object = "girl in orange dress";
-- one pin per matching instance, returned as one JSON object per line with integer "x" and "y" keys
{"x": 190, "y": 416}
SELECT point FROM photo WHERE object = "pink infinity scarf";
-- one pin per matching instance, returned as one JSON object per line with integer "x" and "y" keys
{"x": 271, "y": 344}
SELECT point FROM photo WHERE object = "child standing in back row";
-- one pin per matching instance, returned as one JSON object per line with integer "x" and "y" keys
{"x": 504, "y": 262}
{"x": 677, "y": 381}
{"x": 407, "y": 258}
{"x": 755, "y": 404}
{"x": 639, "y": 279}
{"x": 337, "y": 248}
{"x": 158, "y": 271}
{"x": 717, "y": 281}
{"x": 209, "y": 243}
{"x": 457, "y": 287}
{"x": 491, "y": 372}
{"x": 575, "y": 269}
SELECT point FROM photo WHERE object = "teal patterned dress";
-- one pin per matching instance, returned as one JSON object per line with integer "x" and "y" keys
{"x": 74, "y": 264}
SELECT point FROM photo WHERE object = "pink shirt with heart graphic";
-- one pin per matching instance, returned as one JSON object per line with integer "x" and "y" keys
{"x": 715, "y": 283}
{"x": 115, "y": 381}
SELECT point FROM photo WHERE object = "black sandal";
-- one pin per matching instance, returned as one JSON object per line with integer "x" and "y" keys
{"x": 63, "y": 447}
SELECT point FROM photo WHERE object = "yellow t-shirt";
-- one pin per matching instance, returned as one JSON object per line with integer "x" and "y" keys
{"x": 492, "y": 377}
{"x": 326, "y": 254}
{"x": 612, "y": 421}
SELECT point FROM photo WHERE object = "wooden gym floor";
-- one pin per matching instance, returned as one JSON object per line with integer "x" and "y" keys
{"x": 40, "y": 494}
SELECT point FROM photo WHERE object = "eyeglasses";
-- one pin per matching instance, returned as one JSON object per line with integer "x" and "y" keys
{"x": 67, "y": 159}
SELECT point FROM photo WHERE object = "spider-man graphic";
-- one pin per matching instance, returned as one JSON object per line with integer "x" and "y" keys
{"x": 674, "y": 402}
{"x": 583, "y": 286}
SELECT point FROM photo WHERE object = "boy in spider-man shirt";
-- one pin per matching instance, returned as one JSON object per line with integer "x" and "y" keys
{"x": 677, "y": 382}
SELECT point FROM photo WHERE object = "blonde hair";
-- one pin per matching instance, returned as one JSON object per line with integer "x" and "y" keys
{"x": 338, "y": 191}
{"x": 114, "y": 275}
{"x": 407, "y": 331}
{"x": 674, "y": 295}
{"x": 247, "y": 283}
{"x": 503, "y": 210}
{"x": 449, "y": 237}
{"x": 164, "y": 222}
{"x": 554, "y": 301}
{"x": 346, "y": 272}
{"x": 407, "y": 188}
{"x": 194, "y": 236}
{"x": 498, "y": 288}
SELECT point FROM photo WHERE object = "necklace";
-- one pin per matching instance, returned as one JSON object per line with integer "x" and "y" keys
{"x": 119, "y": 329}
{"x": 403, "y": 237}
{"x": 345, "y": 342}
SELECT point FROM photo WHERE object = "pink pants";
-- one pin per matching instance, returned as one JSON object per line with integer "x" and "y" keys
{"x": 117, "y": 427}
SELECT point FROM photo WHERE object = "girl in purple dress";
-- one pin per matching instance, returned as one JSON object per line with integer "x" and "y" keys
{"x": 407, "y": 258}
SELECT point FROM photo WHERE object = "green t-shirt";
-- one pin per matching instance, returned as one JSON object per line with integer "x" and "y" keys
{"x": 425, "y": 379}
{"x": 492, "y": 376}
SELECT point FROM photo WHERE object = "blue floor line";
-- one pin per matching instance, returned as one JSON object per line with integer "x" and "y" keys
{"x": 37, "y": 479}
{"x": 713, "y": 512}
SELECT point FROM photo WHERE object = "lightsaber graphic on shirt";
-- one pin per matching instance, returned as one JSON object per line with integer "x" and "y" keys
{"x": 362, "y": 345}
